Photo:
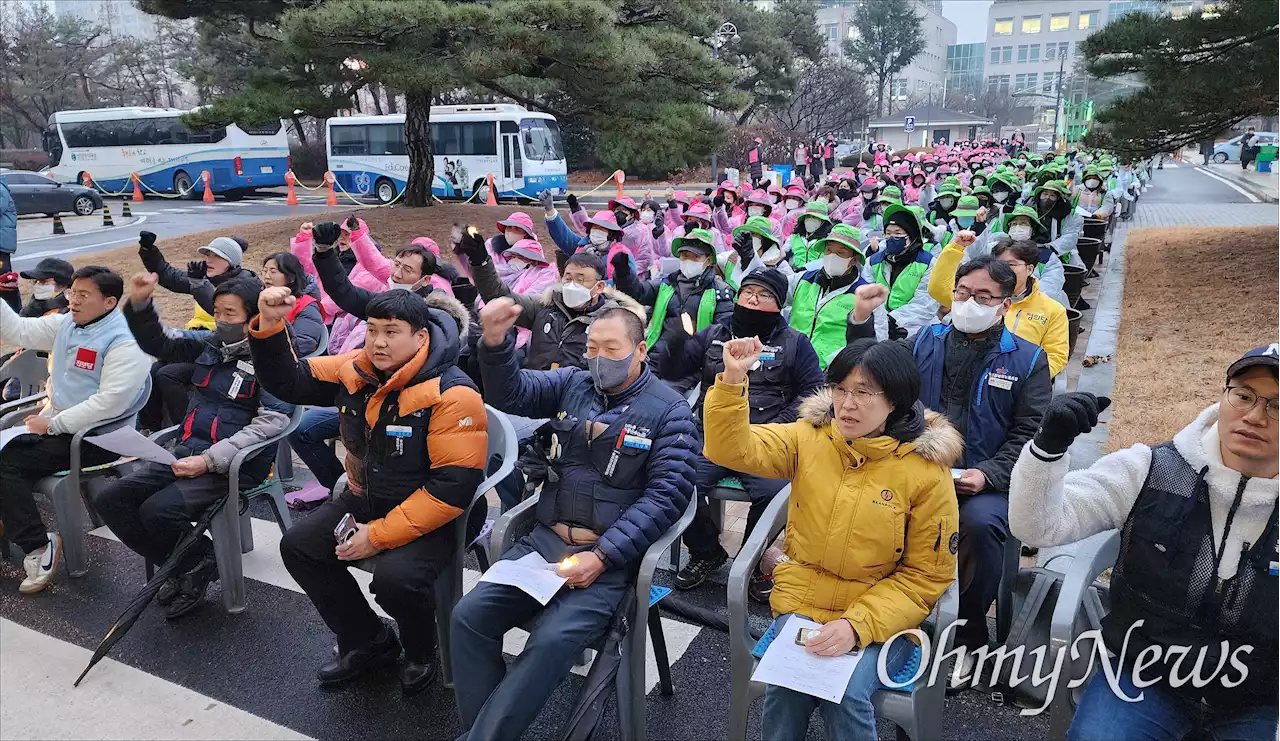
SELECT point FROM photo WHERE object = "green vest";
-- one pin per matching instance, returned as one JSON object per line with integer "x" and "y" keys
{"x": 706, "y": 312}
{"x": 903, "y": 289}
{"x": 825, "y": 325}
{"x": 803, "y": 251}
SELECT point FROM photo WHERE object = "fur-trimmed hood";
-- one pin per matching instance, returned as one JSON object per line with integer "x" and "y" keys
{"x": 929, "y": 433}
{"x": 454, "y": 308}
{"x": 551, "y": 297}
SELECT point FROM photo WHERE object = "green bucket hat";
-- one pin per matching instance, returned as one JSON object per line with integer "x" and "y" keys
{"x": 1026, "y": 211}
{"x": 980, "y": 190}
{"x": 1057, "y": 186}
{"x": 760, "y": 226}
{"x": 951, "y": 180}
{"x": 817, "y": 209}
{"x": 946, "y": 188}
{"x": 916, "y": 213}
{"x": 967, "y": 206}
{"x": 891, "y": 194}
{"x": 846, "y": 236}
{"x": 698, "y": 240}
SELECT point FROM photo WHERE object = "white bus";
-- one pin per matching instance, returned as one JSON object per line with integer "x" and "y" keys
{"x": 111, "y": 143}
{"x": 521, "y": 148}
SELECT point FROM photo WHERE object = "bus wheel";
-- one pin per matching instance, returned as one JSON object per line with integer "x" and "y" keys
{"x": 232, "y": 195}
{"x": 385, "y": 190}
{"x": 480, "y": 191}
{"x": 182, "y": 185}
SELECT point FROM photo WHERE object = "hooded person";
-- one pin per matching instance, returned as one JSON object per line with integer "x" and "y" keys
{"x": 847, "y": 193}
{"x": 637, "y": 236}
{"x": 678, "y": 202}
{"x": 693, "y": 294}
{"x": 794, "y": 202}
{"x": 531, "y": 271}
{"x": 514, "y": 228}
{"x": 1023, "y": 223}
{"x": 221, "y": 263}
{"x": 788, "y": 372}
{"x": 755, "y": 246}
{"x": 651, "y": 216}
{"x": 50, "y": 279}
{"x": 823, "y": 298}
{"x": 1091, "y": 194}
{"x": 601, "y": 234}
{"x": 1053, "y": 203}
{"x": 371, "y": 270}
{"x": 812, "y": 226}
{"x": 903, "y": 265}
{"x": 759, "y": 203}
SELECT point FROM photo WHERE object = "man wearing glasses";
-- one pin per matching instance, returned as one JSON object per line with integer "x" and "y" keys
{"x": 1198, "y": 557}
{"x": 994, "y": 387}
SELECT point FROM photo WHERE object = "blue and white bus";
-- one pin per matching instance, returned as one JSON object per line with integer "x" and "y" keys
{"x": 111, "y": 143}
{"x": 521, "y": 148}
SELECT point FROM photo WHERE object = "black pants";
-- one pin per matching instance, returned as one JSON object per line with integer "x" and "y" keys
{"x": 151, "y": 508}
{"x": 168, "y": 401}
{"x": 703, "y": 537}
{"x": 24, "y": 461}
{"x": 984, "y": 529}
{"x": 403, "y": 579}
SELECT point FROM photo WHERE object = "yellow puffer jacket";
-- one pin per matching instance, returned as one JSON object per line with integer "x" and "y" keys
{"x": 200, "y": 319}
{"x": 872, "y": 523}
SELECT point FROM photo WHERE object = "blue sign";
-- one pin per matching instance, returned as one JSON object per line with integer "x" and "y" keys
{"x": 909, "y": 124}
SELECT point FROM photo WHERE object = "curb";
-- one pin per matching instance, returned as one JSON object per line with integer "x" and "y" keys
{"x": 1246, "y": 184}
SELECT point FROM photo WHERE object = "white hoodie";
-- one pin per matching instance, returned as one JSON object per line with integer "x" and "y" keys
{"x": 1049, "y": 506}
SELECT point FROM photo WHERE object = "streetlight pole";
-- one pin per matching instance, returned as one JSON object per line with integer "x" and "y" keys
{"x": 1057, "y": 103}
{"x": 726, "y": 32}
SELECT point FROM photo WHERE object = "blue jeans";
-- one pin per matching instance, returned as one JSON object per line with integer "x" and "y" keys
{"x": 786, "y": 712}
{"x": 310, "y": 442}
{"x": 1161, "y": 715}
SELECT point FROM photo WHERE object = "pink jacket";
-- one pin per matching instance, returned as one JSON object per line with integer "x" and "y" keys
{"x": 347, "y": 334}
{"x": 368, "y": 260}
{"x": 438, "y": 282}
{"x": 637, "y": 237}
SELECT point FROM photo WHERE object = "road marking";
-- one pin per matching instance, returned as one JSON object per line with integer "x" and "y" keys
{"x": 1230, "y": 184}
{"x": 140, "y": 218}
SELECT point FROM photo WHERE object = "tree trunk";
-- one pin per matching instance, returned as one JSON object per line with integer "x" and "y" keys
{"x": 375, "y": 92}
{"x": 392, "y": 106}
{"x": 299, "y": 130}
{"x": 880, "y": 94}
{"x": 417, "y": 141}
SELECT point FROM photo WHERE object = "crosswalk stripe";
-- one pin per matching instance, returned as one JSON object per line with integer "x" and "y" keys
{"x": 118, "y": 702}
{"x": 264, "y": 564}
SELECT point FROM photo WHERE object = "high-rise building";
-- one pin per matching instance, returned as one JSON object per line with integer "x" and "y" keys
{"x": 1031, "y": 42}
{"x": 965, "y": 65}
{"x": 119, "y": 17}
{"x": 927, "y": 73}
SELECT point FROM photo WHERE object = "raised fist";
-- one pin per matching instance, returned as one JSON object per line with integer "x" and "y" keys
{"x": 274, "y": 304}
{"x": 965, "y": 237}
{"x": 141, "y": 287}
{"x": 496, "y": 318}
{"x": 325, "y": 234}
{"x": 548, "y": 203}
{"x": 147, "y": 239}
{"x": 868, "y": 298}
{"x": 573, "y": 202}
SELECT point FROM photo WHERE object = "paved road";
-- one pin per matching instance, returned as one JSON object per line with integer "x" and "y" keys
{"x": 251, "y": 675}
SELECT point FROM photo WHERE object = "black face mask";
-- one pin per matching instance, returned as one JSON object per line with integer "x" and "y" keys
{"x": 748, "y": 322}
{"x": 622, "y": 216}
{"x": 844, "y": 194}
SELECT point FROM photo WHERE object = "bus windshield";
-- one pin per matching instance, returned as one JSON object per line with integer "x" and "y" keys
{"x": 52, "y": 144}
{"x": 541, "y": 139}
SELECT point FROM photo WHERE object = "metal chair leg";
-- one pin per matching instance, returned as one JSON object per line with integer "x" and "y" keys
{"x": 660, "y": 652}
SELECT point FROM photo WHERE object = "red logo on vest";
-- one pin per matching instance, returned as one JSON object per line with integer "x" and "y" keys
{"x": 86, "y": 359}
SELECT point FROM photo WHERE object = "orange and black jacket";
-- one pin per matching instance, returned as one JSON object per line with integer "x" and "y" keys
{"x": 415, "y": 441}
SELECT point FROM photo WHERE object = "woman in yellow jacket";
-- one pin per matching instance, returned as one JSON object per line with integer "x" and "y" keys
{"x": 872, "y": 522}
{"x": 1034, "y": 316}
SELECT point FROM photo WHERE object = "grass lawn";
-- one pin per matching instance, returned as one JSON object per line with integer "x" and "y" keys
{"x": 1195, "y": 299}
{"x": 391, "y": 227}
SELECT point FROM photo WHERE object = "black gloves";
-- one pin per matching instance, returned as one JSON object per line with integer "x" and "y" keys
{"x": 197, "y": 270}
{"x": 573, "y": 202}
{"x": 472, "y": 245}
{"x": 671, "y": 204}
{"x": 1068, "y": 416}
{"x": 707, "y": 192}
{"x": 548, "y": 203}
{"x": 325, "y": 234}
{"x": 621, "y": 263}
{"x": 147, "y": 239}
{"x": 658, "y": 227}
{"x": 718, "y": 201}
{"x": 465, "y": 291}
{"x": 746, "y": 250}
{"x": 499, "y": 243}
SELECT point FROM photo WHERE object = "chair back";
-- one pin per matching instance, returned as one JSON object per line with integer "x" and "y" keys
{"x": 321, "y": 348}
{"x": 29, "y": 369}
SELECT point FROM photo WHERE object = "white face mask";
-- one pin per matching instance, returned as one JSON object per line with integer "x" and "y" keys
{"x": 1000, "y": 195}
{"x": 392, "y": 285}
{"x": 599, "y": 237}
{"x": 771, "y": 256}
{"x": 755, "y": 210}
{"x": 756, "y": 241}
{"x": 514, "y": 235}
{"x": 646, "y": 217}
{"x": 972, "y": 317}
{"x": 792, "y": 204}
{"x": 1092, "y": 183}
{"x": 691, "y": 268}
{"x": 1020, "y": 232}
{"x": 812, "y": 224}
{"x": 517, "y": 264}
{"x": 43, "y": 291}
{"x": 574, "y": 295}
{"x": 835, "y": 265}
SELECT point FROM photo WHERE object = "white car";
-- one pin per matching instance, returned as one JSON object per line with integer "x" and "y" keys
{"x": 1229, "y": 150}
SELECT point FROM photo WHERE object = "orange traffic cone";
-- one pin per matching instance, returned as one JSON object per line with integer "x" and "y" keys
{"x": 493, "y": 195}
{"x": 88, "y": 181}
{"x": 333, "y": 197}
{"x": 208, "y": 187}
{"x": 137, "y": 190}
{"x": 292, "y": 200}
{"x": 618, "y": 177}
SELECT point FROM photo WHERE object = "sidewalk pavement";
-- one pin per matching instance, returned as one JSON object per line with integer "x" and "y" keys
{"x": 1264, "y": 184}
{"x": 34, "y": 227}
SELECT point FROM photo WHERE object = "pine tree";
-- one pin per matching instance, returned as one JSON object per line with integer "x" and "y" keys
{"x": 889, "y": 36}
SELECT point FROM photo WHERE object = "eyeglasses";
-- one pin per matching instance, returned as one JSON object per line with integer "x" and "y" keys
{"x": 760, "y": 295}
{"x": 1244, "y": 399}
{"x": 1017, "y": 264}
{"x": 860, "y": 396}
{"x": 986, "y": 299}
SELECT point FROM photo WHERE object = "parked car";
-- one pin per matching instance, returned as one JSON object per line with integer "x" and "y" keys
{"x": 36, "y": 194}
{"x": 1229, "y": 150}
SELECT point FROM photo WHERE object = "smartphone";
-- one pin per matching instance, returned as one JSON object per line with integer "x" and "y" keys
{"x": 346, "y": 529}
{"x": 804, "y": 634}
{"x": 956, "y": 473}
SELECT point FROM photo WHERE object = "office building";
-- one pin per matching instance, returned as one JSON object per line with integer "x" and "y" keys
{"x": 927, "y": 73}
{"x": 119, "y": 17}
{"x": 965, "y": 67}
{"x": 1031, "y": 42}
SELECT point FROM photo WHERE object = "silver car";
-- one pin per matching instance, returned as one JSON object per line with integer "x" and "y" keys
{"x": 36, "y": 194}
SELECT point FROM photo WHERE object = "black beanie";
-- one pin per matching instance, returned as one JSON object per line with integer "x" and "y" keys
{"x": 771, "y": 280}
{"x": 906, "y": 220}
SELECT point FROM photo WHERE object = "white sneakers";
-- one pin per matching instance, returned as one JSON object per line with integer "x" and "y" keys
{"x": 42, "y": 566}
{"x": 962, "y": 675}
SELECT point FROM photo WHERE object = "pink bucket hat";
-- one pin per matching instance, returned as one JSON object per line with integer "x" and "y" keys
{"x": 519, "y": 220}
{"x": 528, "y": 249}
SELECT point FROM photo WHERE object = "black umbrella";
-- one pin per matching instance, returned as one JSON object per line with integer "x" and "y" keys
{"x": 148, "y": 592}
{"x": 603, "y": 675}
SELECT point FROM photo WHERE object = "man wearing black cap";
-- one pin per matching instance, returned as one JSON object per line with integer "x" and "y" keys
{"x": 787, "y": 373}
{"x": 1197, "y": 564}
{"x": 49, "y": 279}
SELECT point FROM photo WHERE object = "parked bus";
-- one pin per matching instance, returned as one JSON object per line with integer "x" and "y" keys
{"x": 521, "y": 148}
{"x": 111, "y": 143}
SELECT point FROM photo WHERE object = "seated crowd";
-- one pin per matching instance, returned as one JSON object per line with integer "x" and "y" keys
{"x": 885, "y": 347}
